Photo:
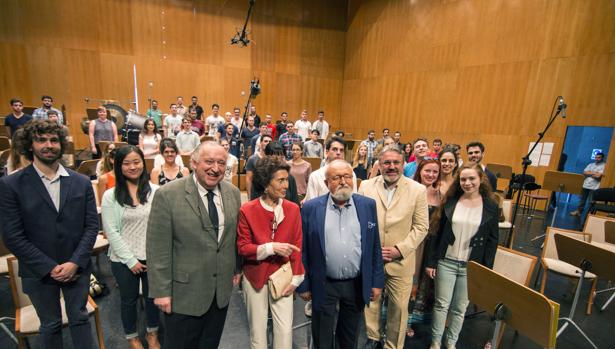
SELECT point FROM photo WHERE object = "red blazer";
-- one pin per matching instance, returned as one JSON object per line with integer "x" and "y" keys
{"x": 254, "y": 229}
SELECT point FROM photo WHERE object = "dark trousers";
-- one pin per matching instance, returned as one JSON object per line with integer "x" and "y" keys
{"x": 190, "y": 332}
{"x": 45, "y": 297}
{"x": 128, "y": 284}
{"x": 585, "y": 194}
{"x": 346, "y": 293}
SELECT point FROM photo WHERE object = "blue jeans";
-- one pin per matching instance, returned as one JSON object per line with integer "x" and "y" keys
{"x": 128, "y": 284}
{"x": 451, "y": 287}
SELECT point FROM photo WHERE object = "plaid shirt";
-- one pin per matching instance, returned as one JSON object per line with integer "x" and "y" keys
{"x": 287, "y": 142}
{"x": 41, "y": 114}
{"x": 371, "y": 146}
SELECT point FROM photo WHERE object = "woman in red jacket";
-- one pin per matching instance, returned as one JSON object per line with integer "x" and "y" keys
{"x": 269, "y": 236}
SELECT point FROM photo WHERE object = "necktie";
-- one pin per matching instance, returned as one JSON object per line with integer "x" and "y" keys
{"x": 213, "y": 211}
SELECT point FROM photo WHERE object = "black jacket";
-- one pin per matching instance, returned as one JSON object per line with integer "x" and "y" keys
{"x": 484, "y": 243}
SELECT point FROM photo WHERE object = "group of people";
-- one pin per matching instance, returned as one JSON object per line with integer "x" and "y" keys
{"x": 188, "y": 240}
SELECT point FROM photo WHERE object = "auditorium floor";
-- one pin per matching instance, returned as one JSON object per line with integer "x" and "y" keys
{"x": 476, "y": 331}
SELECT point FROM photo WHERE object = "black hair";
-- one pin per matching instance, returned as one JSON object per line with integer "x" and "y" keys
{"x": 476, "y": 144}
{"x": 122, "y": 196}
{"x": 215, "y": 105}
{"x": 335, "y": 139}
{"x": 46, "y": 97}
{"x": 274, "y": 148}
{"x": 15, "y": 100}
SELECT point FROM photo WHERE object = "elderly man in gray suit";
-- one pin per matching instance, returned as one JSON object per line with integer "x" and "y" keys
{"x": 192, "y": 253}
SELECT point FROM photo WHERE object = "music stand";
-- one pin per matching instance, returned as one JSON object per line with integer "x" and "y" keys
{"x": 561, "y": 182}
{"x": 527, "y": 311}
{"x": 587, "y": 257}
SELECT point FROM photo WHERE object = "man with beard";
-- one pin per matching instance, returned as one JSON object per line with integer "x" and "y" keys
{"x": 41, "y": 113}
{"x": 341, "y": 255}
{"x": 403, "y": 222}
{"x": 192, "y": 251}
{"x": 49, "y": 222}
{"x": 476, "y": 151}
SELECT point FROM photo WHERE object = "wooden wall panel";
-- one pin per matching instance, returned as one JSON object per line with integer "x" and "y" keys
{"x": 480, "y": 69}
{"x": 72, "y": 49}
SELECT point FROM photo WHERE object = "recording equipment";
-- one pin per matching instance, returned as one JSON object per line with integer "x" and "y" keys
{"x": 241, "y": 38}
{"x": 562, "y": 106}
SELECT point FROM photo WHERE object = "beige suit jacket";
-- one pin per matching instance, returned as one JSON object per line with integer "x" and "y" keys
{"x": 403, "y": 223}
{"x": 184, "y": 258}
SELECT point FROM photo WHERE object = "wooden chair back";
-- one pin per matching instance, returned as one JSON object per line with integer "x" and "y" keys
{"x": 595, "y": 225}
{"x": 550, "y": 251}
{"x": 515, "y": 265}
{"x": 5, "y": 143}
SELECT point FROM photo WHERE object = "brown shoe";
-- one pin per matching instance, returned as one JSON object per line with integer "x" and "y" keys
{"x": 152, "y": 340}
{"x": 135, "y": 343}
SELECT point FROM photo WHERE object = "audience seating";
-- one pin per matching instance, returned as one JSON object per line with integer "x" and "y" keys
{"x": 605, "y": 195}
{"x": 551, "y": 262}
{"x": 88, "y": 168}
{"x": 26, "y": 320}
{"x": 314, "y": 162}
{"x": 596, "y": 226}
{"x": 149, "y": 165}
{"x": 103, "y": 145}
{"x": 5, "y": 143}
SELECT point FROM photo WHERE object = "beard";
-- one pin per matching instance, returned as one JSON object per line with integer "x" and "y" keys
{"x": 342, "y": 193}
{"x": 49, "y": 161}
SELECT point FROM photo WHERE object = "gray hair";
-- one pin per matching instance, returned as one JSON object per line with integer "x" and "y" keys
{"x": 197, "y": 151}
{"x": 336, "y": 162}
{"x": 390, "y": 149}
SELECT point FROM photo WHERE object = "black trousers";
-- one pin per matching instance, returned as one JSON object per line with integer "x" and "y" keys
{"x": 346, "y": 293}
{"x": 45, "y": 297}
{"x": 190, "y": 332}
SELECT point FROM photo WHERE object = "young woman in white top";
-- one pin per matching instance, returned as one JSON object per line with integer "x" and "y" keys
{"x": 125, "y": 214}
{"x": 149, "y": 139}
{"x": 466, "y": 227}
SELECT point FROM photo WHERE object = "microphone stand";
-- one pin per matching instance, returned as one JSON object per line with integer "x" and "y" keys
{"x": 255, "y": 89}
{"x": 525, "y": 162}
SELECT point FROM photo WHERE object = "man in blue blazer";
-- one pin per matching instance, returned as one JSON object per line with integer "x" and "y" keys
{"x": 49, "y": 222}
{"x": 342, "y": 257}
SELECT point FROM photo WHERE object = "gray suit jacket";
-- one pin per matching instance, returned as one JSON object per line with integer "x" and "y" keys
{"x": 184, "y": 258}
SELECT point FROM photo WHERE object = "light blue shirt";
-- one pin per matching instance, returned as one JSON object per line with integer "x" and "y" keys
{"x": 342, "y": 241}
{"x": 410, "y": 169}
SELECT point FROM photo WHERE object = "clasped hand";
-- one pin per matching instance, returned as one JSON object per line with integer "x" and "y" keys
{"x": 65, "y": 272}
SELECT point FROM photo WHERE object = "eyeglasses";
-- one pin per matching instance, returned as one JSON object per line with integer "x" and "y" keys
{"x": 339, "y": 178}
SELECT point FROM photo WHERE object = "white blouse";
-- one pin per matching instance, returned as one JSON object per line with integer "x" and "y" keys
{"x": 466, "y": 221}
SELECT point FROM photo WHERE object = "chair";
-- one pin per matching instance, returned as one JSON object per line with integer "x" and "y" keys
{"x": 101, "y": 245}
{"x": 4, "y": 255}
{"x": 602, "y": 230}
{"x": 26, "y": 320}
{"x": 88, "y": 168}
{"x": 532, "y": 197}
{"x": 68, "y": 158}
{"x": 149, "y": 165}
{"x": 550, "y": 261}
{"x": 103, "y": 145}
{"x": 314, "y": 162}
{"x": 596, "y": 227}
{"x": 186, "y": 161}
{"x": 5, "y": 143}
{"x": 606, "y": 195}
{"x": 4, "y": 158}
{"x": 515, "y": 265}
